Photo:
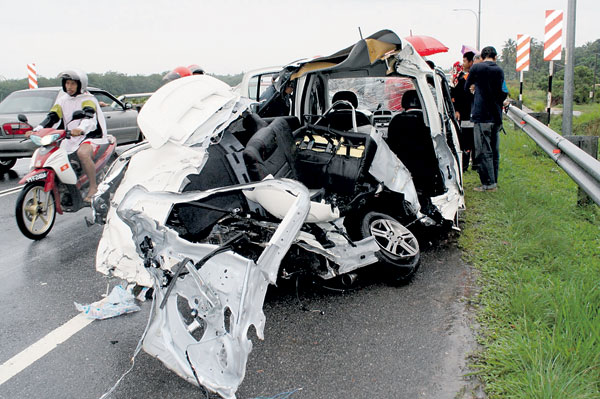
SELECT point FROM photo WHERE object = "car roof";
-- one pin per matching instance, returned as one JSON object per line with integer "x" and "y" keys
{"x": 371, "y": 51}
{"x": 362, "y": 54}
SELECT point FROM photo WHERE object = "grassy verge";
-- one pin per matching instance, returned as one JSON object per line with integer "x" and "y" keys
{"x": 539, "y": 257}
{"x": 587, "y": 124}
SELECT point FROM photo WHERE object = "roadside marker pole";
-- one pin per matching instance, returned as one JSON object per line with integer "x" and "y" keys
{"x": 523, "y": 49}
{"x": 32, "y": 75}
{"x": 521, "y": 90}
{"x": 549, "y": 102}
{"x": 552, "y": 46}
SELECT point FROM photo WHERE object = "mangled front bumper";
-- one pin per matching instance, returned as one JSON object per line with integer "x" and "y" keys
{"x": 207, "y": 297}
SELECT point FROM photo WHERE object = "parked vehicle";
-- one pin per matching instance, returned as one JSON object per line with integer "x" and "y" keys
{"x": 220, "y": 203}
{"x": 121, "y": 120}
{"x": 136, "y": 99}
{"x": 56, "y": 182}
{"x": 254, "y": 83}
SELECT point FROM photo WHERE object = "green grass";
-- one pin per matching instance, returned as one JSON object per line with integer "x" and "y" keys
{"x": 539, "y": 258}
{"x": 534, "y": 99}
{"x": 587, "y": 124}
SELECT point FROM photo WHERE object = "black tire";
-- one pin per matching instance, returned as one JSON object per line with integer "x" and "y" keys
{"x": 399, "y": 248}
{"x": 33, "y": 204}
{"x": 7, "y": 163}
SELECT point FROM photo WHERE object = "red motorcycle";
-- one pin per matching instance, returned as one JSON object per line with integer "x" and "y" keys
{"x": 56, "y": 182}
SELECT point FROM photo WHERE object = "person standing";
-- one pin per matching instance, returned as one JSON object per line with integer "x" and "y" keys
{"x": 462, "y": 100}
{"x": 486, "y": 81}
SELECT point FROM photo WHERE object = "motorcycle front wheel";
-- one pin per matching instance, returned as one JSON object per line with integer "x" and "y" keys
{"x": 35, "y": 211}
{"x": 399, "y": 248}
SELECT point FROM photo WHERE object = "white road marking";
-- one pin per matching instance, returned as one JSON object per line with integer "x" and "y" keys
{"x": 10, "y": 191}
{"x": 42, "y": 347}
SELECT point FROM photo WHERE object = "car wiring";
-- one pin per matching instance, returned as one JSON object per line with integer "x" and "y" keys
{"x": 135, "y": 352}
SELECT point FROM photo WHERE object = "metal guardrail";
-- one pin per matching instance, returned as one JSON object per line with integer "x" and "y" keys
{"x": 579, "y": 165}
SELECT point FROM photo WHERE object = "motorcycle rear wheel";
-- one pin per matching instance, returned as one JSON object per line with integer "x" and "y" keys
{"x": 399, "y": 248}
{"x": 35, "y": 211}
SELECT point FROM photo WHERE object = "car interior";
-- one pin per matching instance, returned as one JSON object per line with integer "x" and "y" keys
{"x": 323, "y": 151}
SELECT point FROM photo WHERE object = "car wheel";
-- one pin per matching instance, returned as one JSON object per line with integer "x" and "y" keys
{"x": 399, "y": 248}
{"x": 35, "y": 211}
{"x": 7, "y": 163}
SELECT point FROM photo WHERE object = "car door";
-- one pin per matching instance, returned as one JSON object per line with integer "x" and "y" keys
{"x": 259, "y": 83}
{"x": 121, "y": 119}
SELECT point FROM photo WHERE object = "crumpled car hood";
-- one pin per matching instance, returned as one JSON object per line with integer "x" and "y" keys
{"x": 190, "y": 111}
{"x": 179, "y": 120}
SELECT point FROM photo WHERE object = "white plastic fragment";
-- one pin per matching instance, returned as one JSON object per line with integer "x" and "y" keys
{"x": 118, "y": 302}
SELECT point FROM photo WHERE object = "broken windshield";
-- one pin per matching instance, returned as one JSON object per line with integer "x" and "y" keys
{"x": 374, "y": 93}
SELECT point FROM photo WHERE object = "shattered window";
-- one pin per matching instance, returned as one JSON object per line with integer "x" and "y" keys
{"x": 374, "y": 93}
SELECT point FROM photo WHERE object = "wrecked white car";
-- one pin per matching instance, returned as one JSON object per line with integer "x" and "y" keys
{"x": 220, "y": 203}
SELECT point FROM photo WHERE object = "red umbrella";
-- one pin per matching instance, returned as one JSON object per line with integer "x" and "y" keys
{"x": 426, "y": 45}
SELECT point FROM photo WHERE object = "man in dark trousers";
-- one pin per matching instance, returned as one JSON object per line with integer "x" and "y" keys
{"x": 486, "y": 81}
{"x": 462, "y": 100}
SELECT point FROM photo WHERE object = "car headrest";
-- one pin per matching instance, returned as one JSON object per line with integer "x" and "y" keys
{"x": 410, "y": 100}
{"x": 345, "y": 95}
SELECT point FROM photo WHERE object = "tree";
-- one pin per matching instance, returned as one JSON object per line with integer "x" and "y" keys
{"x": 116, "y": 83}
{"x": 508, "y": 59}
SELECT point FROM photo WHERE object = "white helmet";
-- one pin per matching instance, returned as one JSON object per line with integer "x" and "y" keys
{"x": 78, "y": 76}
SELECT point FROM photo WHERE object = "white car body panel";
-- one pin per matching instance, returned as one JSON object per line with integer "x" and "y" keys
{"x": 185, "y": 105}
{"x": 226, "y": 283}
{"x": 180, "y": 121}
{"x": 278, "y": 204}
{"x": 171, "y": 164}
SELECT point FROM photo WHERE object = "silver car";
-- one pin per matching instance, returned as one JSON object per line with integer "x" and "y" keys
{"x": 121, "y": 120}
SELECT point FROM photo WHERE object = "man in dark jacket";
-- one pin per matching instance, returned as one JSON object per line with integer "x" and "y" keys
{"x": 462, "y": 100}
{"x": 486, "y": 81}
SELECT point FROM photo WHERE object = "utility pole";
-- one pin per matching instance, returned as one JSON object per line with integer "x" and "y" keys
{"x": 567, "y": 121}
{"x": 479, "y": 27}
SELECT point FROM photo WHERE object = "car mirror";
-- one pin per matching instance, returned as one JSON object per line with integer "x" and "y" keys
{"x": 128, "y": 106}
{"x": 22, "y": 118}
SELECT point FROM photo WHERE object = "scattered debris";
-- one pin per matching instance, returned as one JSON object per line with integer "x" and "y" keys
{"x": 118, "y": 302}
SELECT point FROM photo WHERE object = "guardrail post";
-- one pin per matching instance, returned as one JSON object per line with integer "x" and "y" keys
{"x": 589, "y": 144}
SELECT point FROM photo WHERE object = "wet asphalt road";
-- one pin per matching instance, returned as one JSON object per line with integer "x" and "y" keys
{"x": 374, "y": 341}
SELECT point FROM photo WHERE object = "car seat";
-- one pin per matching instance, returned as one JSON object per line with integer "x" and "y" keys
{"x": 340, "y": 116}
{"x": 270, "y": 151}
{"x": 410, "y": 139}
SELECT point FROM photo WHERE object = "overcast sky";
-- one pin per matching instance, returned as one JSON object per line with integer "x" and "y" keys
{"x": 231, "y": 36}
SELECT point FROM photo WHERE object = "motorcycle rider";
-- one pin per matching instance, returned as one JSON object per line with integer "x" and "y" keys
{"x": 277, "y": 98}
{"x": 87, "y": 133}
{"x": 196, "y": 69}
{"x": 176, "y": 73}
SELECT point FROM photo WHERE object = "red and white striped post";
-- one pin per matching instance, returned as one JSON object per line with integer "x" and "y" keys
{"x": 523, "y": 49}
{"x": 32, "y": 75}
{"x": 552, "y": 46}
